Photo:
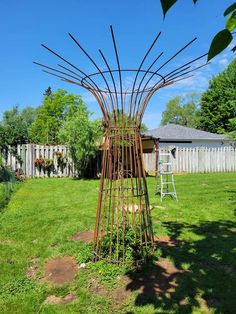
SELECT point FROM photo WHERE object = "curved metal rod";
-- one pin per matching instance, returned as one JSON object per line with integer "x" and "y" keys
{"x": 53, "y": 69}
{"x": 142, "y": 94}
{"x": 62, "y": 77}
{"x": 172, "y": 77}
{"x": 59, "y": 56}
{"x": 140, "y": 66}
{"x": 166, "y": 84}
{"x": 124, "y": 70}
{"x": 140, "y": 83}
{"x": 199, "y": 67}
{"x": 165, "y": 63}
{"x": 88, "y": 84}
{"x": 91, "y": 90}
{"x": 65, "y": 68}
{"x": 169, "y": 82}
{"x": 112, "y": 77}
{"x": 93, "y": 62}
{"x": 147, "y": 98}
{"x": 190, "y": 62}
{"x": 177, "y": 72}
{"x": 67, "y": 80}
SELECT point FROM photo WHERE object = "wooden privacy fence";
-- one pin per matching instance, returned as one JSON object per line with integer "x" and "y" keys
{"x": 190, "y": 160}
{"x": 198, "y": 159}
{"x": 62, "y": 165}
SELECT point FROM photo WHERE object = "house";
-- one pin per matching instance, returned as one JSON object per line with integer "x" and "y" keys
{"x": 181, "y": 136}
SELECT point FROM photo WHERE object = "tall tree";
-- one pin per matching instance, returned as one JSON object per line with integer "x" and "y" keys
{"x": 182, "y": 110}
{"x": 48, "y": 91}
{"x": 15, "y": 125}
{"x": 50, "y": 116}
{"x": 172, "y": 112}
{"x": 82, "y": 136}
{"x": 232, "y": 129}
{"x": 218, "y": 103}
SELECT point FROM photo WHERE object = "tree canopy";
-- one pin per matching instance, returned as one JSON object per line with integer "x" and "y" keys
{"x": 218, "y": 103}
{"x": 51, "y": 114}
{"x": 14, "y": 127}
{"x": 182, "y": 110}
{"x": 81, "y": 135}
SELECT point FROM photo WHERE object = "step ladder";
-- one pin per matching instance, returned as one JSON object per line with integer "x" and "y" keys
{"x": 166, "y": 176}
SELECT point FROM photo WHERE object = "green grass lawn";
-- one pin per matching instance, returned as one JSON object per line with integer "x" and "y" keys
{"x": 43, "y": 214}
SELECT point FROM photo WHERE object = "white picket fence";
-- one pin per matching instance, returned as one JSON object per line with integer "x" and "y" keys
{"x": 198, "y": 159}
{"x": 30, "y": 152}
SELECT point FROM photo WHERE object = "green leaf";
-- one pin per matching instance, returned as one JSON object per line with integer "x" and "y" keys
{"x": 231, "y": 8}
{"x": 231, "y": 22}
{"x": 219, "y": 43}
{"x": 166, "y": 5}
{"x": 233, "y": 49}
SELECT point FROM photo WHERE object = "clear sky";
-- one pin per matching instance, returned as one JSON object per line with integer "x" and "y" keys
{"x": 26, "y": 24}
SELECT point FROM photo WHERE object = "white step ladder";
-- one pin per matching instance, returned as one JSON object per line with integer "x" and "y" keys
{"x": 167, "y": 184}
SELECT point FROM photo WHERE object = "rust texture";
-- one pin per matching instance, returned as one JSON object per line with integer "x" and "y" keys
{"x": 123, "y": 95}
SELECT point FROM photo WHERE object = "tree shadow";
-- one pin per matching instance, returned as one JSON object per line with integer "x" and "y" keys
{"x": 195, "y": 273}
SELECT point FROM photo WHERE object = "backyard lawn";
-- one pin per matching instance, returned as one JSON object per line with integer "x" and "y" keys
{"x": 195, "y": 270}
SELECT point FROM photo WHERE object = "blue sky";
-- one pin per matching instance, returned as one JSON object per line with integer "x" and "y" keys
{"x": 27, "y": 24}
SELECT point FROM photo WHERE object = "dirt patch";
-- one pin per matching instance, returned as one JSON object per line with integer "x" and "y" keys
{"x": 84, "y": 236}
{"x": 117, "y": 295}
{"x": 184, "y": 301}
{"x": 96, "y": 288}
{"x": 160, "y": 279}
{"x": 33, "y": 269}
{"x": 52, "y": 299}
{"x": 157, "y": 280}
{"x": 60, "y": 270}
{"x": 165, "y": 241}
{"x": 5, "y": 242}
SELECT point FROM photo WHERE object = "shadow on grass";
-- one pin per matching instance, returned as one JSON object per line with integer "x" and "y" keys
{"x": 202, "y": 272}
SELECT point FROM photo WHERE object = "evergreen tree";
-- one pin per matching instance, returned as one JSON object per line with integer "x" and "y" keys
{"x": 48, "y": 91}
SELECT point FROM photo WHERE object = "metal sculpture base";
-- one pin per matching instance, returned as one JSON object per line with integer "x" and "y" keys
{"x": 123, "y": 211}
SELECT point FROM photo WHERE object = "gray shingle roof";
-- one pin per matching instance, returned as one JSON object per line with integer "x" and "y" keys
{"x": 178, "y": 132}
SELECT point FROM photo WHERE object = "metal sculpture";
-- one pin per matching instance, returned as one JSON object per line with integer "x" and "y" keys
{"x": 123, "y": 210}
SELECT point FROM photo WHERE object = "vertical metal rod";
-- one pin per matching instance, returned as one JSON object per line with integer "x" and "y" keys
{"x": 118, "y": 64}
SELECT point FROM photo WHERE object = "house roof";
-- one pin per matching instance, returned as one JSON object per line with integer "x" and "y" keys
{"x": 179, "y": 132}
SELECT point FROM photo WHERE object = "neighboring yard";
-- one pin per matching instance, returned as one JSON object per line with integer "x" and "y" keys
{"x": 196, "y": 271}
